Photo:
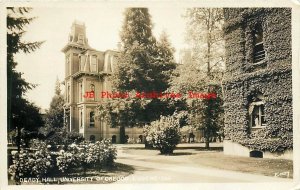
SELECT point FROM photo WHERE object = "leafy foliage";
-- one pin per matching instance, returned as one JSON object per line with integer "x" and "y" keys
{"x": 86, "y": 155}
{"x": 144, "y": 65}
{"x": 272, "y": 77}
{"x": 21, "y": 113}
{"x": 40, "y": 161}
{"x": 60, "y": 136}
{"x": 204, "y": 70}
{"x": 205, "y": 37}
{"x": 55, "y": 115}
{"x": 163, "y": 134}
{"x": 31, "y": 164}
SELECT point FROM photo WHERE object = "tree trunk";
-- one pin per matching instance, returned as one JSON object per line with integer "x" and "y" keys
{"x": 122, "y": 134}
{"x": 207, "y": 139}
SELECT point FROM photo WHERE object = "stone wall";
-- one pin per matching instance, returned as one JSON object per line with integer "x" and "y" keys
{"x": 235, "y": 149}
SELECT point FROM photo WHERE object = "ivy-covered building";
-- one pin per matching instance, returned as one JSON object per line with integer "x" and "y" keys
{"x": 258, "y": 86}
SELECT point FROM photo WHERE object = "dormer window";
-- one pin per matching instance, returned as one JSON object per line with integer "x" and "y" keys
{"x": 94, "y": 64}
{"x": 258, "y": 51}
{"x": 82, "y": 62}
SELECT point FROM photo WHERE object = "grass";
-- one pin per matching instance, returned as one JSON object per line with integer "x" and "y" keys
{"x": 264, "y": 166}
{"x": 92, "y": 176}
{"x": 214, "y": 157}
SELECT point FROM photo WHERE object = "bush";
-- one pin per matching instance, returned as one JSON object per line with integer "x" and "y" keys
{"x": 163, "y": 134}
{"x": 86, "y": 155}
{"x": 39, "y": 161}
{"x": 60, "y": 136}
{"x": 31, "y": 163}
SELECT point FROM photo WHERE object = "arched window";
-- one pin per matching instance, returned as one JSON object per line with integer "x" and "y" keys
{"x": 92, "y": 119}
{"x": 92, "y": 89}
{"x": 258, "y": 51}
{"x": 92, "y": 138}
{"x": 257, "y": 111}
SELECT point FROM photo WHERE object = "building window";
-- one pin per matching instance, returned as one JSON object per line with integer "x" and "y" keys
{"x": 80, "y": 92}
{"x": 80, "y": 119}
{"x": 68, "y": 96}
{"x": 258, "y": 51}
{"x": 257, "y": 115}
{"x": 79, "y": 65}
{"x": 93, "y": 91}
{"x": 82, "y": 62}
{"x": 94, "y": 64}
{"x": 68, "y": 61}
{"x": 92, "y": 119}
{"x": 257, "y": 111}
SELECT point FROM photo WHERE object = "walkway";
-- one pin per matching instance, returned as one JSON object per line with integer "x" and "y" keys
{"x": 173, "y": 169}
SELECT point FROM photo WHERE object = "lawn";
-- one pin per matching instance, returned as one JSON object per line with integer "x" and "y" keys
{"x": 91, "y": 176}
{"x": 264, "y": 166}
{"x": 215, "y": 158}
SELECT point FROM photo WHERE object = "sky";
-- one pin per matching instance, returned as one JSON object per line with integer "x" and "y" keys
{"x": 103, "y": 25}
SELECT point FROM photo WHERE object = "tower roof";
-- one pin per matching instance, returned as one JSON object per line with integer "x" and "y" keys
{"x": 77, "y": 36}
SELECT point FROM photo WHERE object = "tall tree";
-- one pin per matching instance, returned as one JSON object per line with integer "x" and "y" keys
{"x": 205, "y": 37}
{"x": 144, "y": 65}
{"x": 205, "y": 71}
{"x": 18, "y": 107}
{"x": 138, "y": 45}
{"x": 55, "y": 114}
{"x": 164, "y": 63}
{"x": 21, "y": 114}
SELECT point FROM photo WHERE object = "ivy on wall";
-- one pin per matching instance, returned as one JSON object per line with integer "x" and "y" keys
{"x": 272, "y": 77}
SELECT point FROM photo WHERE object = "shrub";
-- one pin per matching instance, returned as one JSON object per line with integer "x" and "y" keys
{"x": 39, "y": 161}
{"x": 65, "y": 161}
{"x": 163, "y": 134}
{"x": 60, "y": 136}
{"x": 86, "y": 155}
{"x": 31, "y": 163}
